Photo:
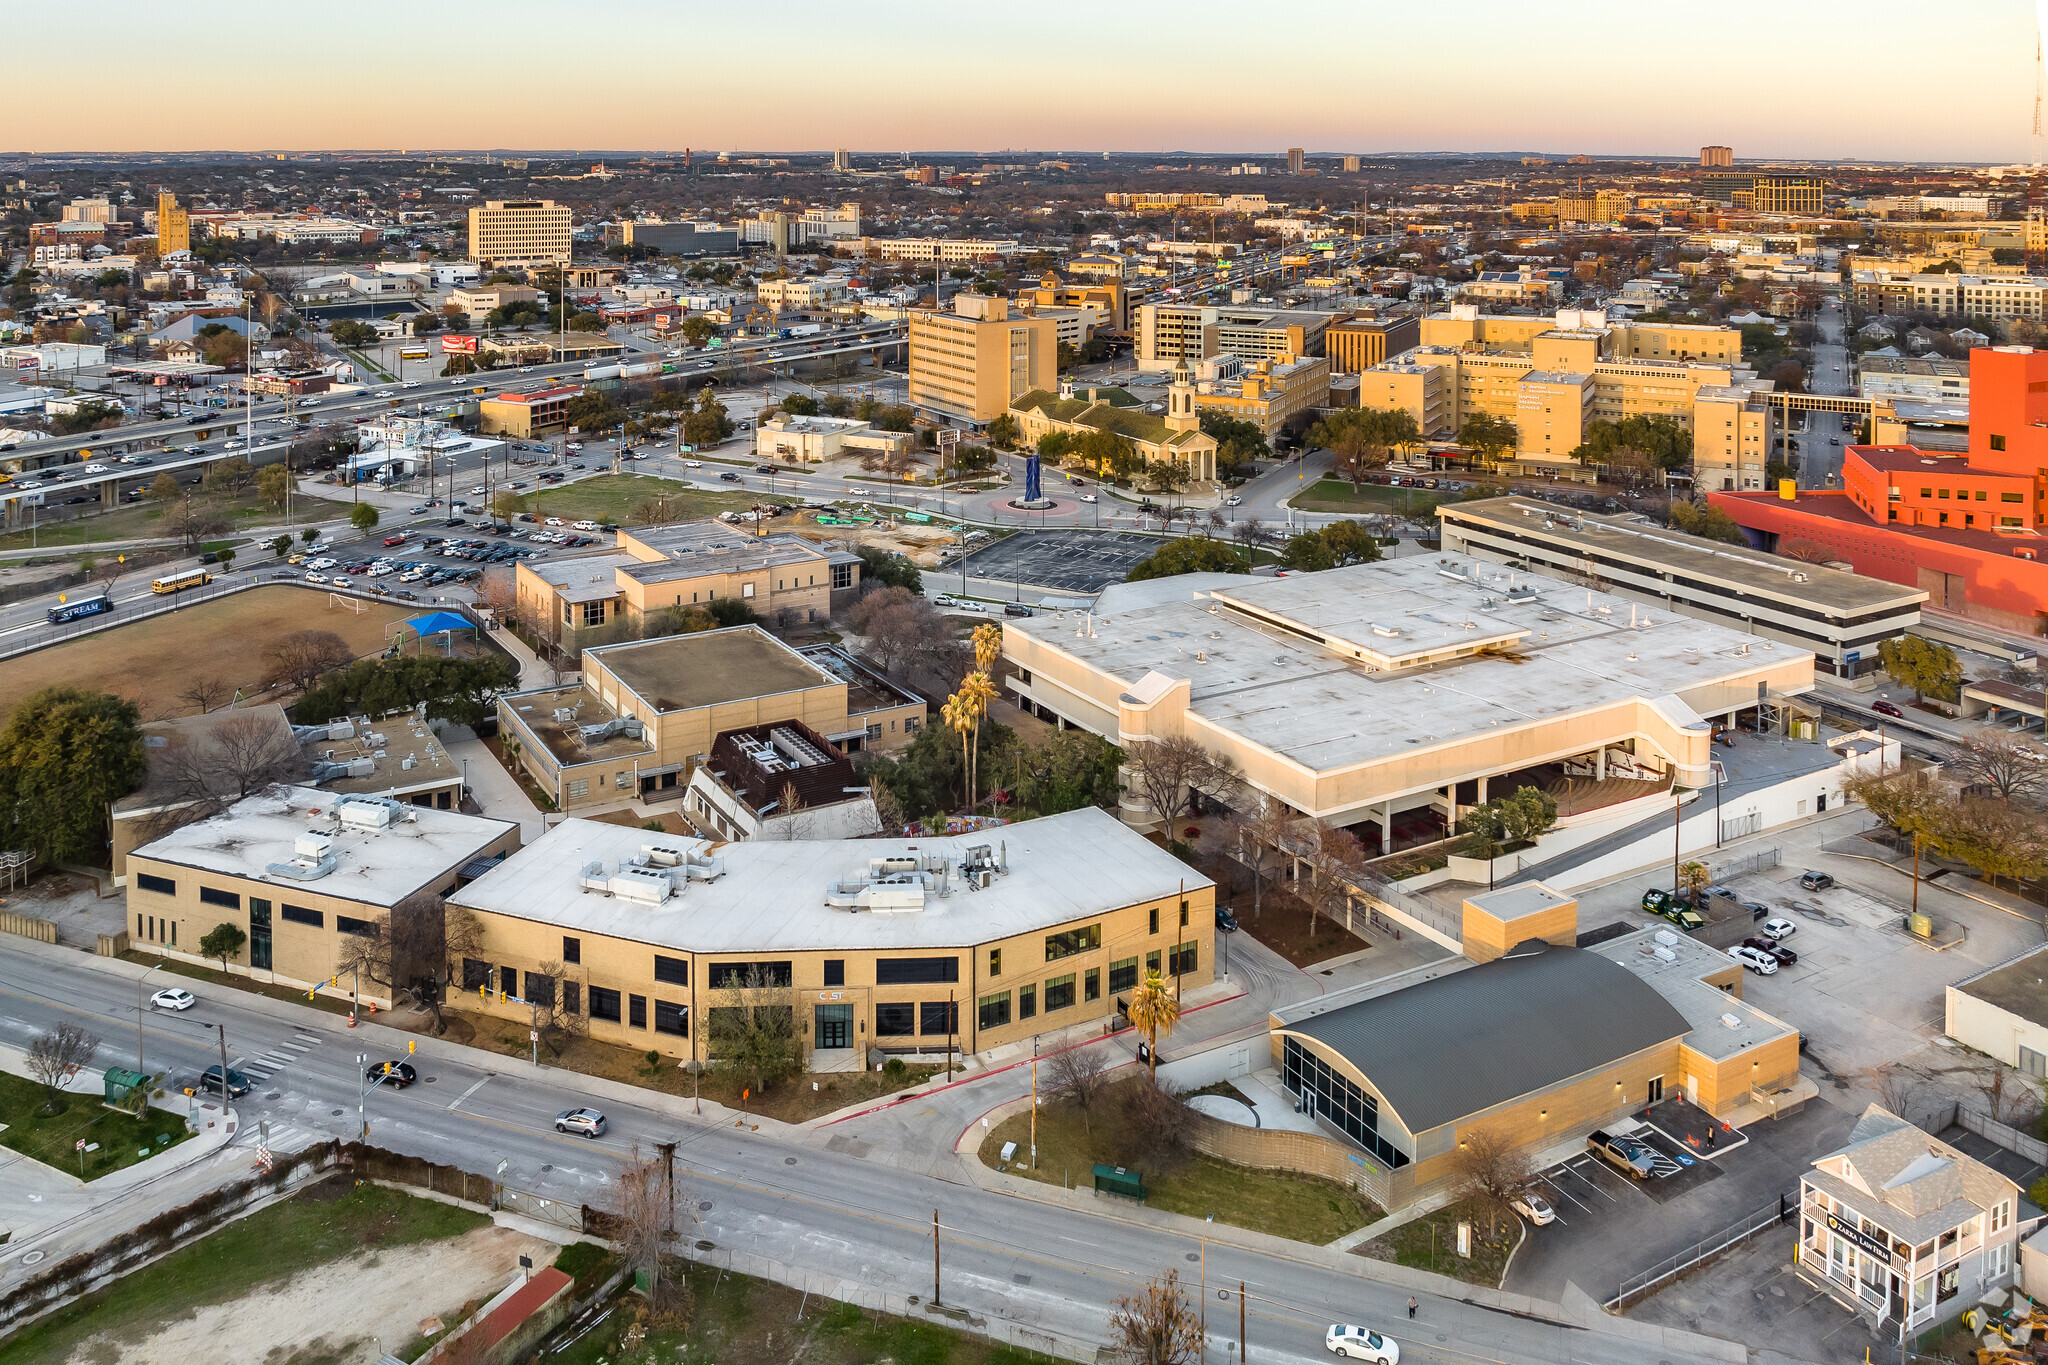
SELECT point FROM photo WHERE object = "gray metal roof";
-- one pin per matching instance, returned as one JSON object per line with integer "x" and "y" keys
{"x": 1462, "y": 1043}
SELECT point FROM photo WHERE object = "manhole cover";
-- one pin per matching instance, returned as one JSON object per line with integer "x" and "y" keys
{"x": 270, "y": 1095}
{"x": 549, "y": 1166}
{"x": 430, "y": 1079}
{"x": 33, "y": 1258}
{"x": 1020, "y": 1279}
{"x": 338, "y": 1113}
{"x": 704, "y": 1207}
{"x": 789, "y": 1161}
{"x": 704, "y": 1244}
{"x": 1194, "y": 1256}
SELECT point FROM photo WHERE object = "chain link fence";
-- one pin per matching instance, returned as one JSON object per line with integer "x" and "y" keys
{"x": 1769, "y": 1216}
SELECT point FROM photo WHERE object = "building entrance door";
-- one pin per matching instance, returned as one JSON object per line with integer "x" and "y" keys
{"x": 833, "y": 1025}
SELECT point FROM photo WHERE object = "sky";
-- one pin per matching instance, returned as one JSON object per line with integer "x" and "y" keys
{"x": 1872, "y": 79}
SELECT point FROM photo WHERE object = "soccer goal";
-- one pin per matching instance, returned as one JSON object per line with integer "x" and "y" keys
{"x": 354, "y": 604}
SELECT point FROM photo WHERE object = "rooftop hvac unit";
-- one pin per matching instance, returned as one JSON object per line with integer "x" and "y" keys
{"x": 407, "y": 762}
{"x": 1667, "y": 938}
{"x": 1730, "y": 1021}
{"x": 591, "y": 877}
{"x": 664, "y": 855}
{"x": 362, "y": 767}
{"x": 313, "y": 845}
{"x": 342, "y": 729}
{"x": 1663, "y": 954}
{"x": 646, "y": 885}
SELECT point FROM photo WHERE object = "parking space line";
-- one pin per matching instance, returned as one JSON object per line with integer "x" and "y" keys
{"x": 1573, "y": 1167}
{"x": 1563, "y": 1193}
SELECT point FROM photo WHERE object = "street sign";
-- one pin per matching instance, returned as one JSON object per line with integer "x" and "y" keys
{"x": 533, "y": 1035}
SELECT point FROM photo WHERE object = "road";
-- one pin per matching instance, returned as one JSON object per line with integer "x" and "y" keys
{"x": 1014, "y": 1261}
{"x": 1820, "y": 463}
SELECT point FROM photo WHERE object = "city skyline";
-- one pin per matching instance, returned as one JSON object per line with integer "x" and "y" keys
{"x": 1607, "y": 87}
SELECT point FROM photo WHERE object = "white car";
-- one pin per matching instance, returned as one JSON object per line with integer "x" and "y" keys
{"x": 1535, "y": 1208}
{"x": 1361, "y": 1343}
{"x": 526, "y": 369}
{"x": 1758, "y": 961}
{"x": 316, "y": 578}
{"x": 96, "y": 469}
{"x": 174, "y": 999}
{"x": 1087, "y": 497}
{"x": 556, "y": 521}
{"x": 410, "y": 384}
{"x": 1779, "y": 927}
{"x": 693, "y": 464}
{"x": 479, "y": 489}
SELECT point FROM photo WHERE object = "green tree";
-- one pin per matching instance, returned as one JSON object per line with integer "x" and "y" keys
{"x": 800, "y": 405}
{"x": 1248, "y": 440}
{"x": 66, "y": 755}
{"x": 1305, "y": 552}
{"x": 460, "y": 690}
{"x": 1190, "y": 554}
{"x": 349, "y": 332}
{"x": 698, "y": 330}
{"x": 1003, "y": 431}
{"x": 1491, "y": 436}
{"x": 1054, "y": 445}
{"x": 280, "y": 544}
{"x": 164, "y": 488}
{"x": 1922, "y": 665}
{"x": 753, "y": 1031}
{"x": 586, "y": 322}
{"x": 1709, "y": 522}
{"x": 222, "y": 943}
{"x": 888, "y": 569}
{"x": 273, "y": 484}
{"x": 226, "y": 555}
{"x": 707, "y": 423}
{"x": 309, "y": 534}
{"x": 458, "y": 365}
{"x": 363, "y": 516}
{"x": 228, "y": 476}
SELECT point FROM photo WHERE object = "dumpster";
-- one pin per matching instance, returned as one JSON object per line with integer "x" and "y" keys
{"x": 1119, "y": 1180}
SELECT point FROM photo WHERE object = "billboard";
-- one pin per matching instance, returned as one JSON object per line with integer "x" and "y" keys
{"x": 462, "y": 344}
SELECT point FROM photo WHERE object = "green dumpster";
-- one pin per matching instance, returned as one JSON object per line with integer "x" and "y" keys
{"x": 1119, "y": 1180}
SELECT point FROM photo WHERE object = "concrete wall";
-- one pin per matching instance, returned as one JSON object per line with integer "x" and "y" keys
{"x": 1993, "y": 1031}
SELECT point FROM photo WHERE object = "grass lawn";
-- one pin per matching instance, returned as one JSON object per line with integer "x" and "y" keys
{"x": 613, "y": 497}
{"x": 1335, "y": 495}
{"x": 739, "y": 1320}
{"x": 266, "y": 1247}
{"x": 227, "y": 638}
{"x": 174, "y": 967}
{"x": 53, "y": 1139}
{"x": 1431, "y": 1243}
{"x": 1301, "y": 1207}
{"x": 790, "y": 1102}
{"x": 144, "y": 521}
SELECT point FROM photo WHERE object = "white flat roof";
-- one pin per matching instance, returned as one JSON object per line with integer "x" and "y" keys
{"x": 374, "y": 866}
{"x": 1565, "y": 649}
{"x": 772, "y": 896}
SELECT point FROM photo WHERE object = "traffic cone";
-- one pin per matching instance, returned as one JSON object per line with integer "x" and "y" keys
{"x": 351, "y": 1018}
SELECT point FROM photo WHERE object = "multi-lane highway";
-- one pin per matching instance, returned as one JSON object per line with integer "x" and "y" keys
{"x": 838, "y": 1211}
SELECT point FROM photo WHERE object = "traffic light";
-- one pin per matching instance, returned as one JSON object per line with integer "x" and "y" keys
{"x": 410, "y": 1045}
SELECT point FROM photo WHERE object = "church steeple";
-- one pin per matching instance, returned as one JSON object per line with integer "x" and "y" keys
{"x": 1180, "y": 399}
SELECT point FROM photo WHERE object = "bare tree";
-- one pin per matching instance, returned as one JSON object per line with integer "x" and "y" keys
{"x": 1170, "y": 771}
{"x": 1897, "y": 1086}
{"x": 1157, "y": 1325}
{"x": 2010, "y": 766}
{"x": 646, "y": 1224}
{"x": 410, "y": 950}
{"x": 1149, "y": 1121}
{"x": 1259, "y": 837}
{"x": 1490, "y": 1169}
{"x": 2007, "y": 1098}
{"x": 1078, "y": 1076}
{"x": 206, "y": 693}
{"x": 55, "y": 1055}
{"x": 248, "y": 753}
{"x": 1336, "y": 865}
{"x": 300, "y": 659}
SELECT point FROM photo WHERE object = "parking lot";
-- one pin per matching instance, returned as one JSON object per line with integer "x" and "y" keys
{"x": 1067, "y": 561}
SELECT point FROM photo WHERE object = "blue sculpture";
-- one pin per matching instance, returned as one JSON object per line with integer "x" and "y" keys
{"x": 1032, "y": 491}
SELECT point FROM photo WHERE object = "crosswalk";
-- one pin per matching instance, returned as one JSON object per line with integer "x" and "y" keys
{"x": 263, "y": 1065}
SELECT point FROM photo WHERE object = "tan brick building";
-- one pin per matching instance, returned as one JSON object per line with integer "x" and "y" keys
{"x": 519, "y": 232}
{"x": 972, "y": 941}
{"x": 971, "y": 361}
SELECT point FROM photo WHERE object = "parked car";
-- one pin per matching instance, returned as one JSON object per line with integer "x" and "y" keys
{"x": 1779, "y": 928}
{"x": 1887, "y": 708}
{"x": 1815, "y": 881}
{"x": 1757, "y": 910}
{"x": 174, "y": 999}
{"x": 588, "y": 1122}
{"x": 1784, "y": 957}
{"x": 1361, "y": 1343}
{"x": 1756, "y": 959}
{"x": 1632, "y": 1159}
{"x": 1534, "y": 1207}
{"x": 396, "y": 1075}
{"x": 209, "y": 1080}
{"x": 1226, "y": 921}
{"x": 1016, "y": 609}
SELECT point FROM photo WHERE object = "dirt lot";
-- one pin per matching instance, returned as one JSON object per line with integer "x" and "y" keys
{"x": 147, "y": 660}
{"x": 921, "y": 544}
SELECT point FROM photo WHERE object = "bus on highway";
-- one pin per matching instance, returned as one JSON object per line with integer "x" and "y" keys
{"x": 84, "y": 606}
{"x": 191, "y": 578}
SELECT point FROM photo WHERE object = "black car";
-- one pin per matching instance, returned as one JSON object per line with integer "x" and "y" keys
{"x": 396, "y": 1075}
{"x": 730, "y": 477}
{"x": 1016, "y": 609}
{"x": 1226, "y": 921}
{"x": 209, "y": 1081}
{"x": 764, "y": 469}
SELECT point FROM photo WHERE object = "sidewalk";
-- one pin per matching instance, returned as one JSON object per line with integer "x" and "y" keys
{"x": 494, "y": 789}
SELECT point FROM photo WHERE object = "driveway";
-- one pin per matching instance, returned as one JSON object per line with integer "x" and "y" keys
{"x": 1610, "y": 1227}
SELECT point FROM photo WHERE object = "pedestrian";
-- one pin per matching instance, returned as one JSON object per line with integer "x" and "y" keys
{"x": 1411, "y": 1306}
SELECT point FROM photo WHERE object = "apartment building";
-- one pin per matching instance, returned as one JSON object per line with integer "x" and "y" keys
{"x": 1167, "y": 333}
{"x": 802, "y": 294}
{"x": 681, "y": 239}
{"x": 1997, "y": 298}
{"x": 173, "y": 225}
{"x": 1713, "y": 157}
{"x": 1930, "y": 380}
{"x": 88, "y": 211}
{"x": 1359, "y": 343}
{"x": 973, "y": 359}
{"x": 1274, "y": 395}
{"x": 519, "y": 232}
{"x": 1591, "y": 206}
{"x": 1297, "y": 160}
{"x": 943, "y": 250}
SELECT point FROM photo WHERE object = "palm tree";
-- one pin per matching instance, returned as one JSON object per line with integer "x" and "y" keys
{"x": 1693, "y": 877}
{"x": 1155, "y": 1009}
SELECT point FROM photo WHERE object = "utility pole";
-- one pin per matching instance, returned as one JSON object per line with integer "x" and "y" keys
{"x": 1240, "y": 1322}
{"x": 1034, "y": 1104}
{"x": 362, "y": 1096}
{"x": 223, "y": 1066}
{"x": 935, "y": 1257}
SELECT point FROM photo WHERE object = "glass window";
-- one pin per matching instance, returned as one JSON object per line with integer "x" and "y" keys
{"x": 1072, "y": 941}
{"x": 361, "y": 928}
{"x": 1182, "y": 959}
{"x": 940, "y": 1017}
{"x": 636, "y": 1011}
{"x": 163, "y": 886}
{"x": 671, "y": 1018}
{"x": 1091, "y": 984}
{"x": 579, "y": 787}
{"x": 734, "y": 975}
{"x": 572, "y": 997}
{"x": 475, "y": 973}
{"x": 1123, "y": 976}
{"x": 2033, "y": 1063}
{"x": 896, "y": 1020}
{"x": 604, "y": 1004}
{"x": 1059, "y": 993}
{"x": 226, "y": 899}
{"x": 916, "y": 971}
{"x": 299, "y": 914}
{"x": 1152, "y": 961}
{"x": 540, "y": 988}
{"x": 995, "y": 962}
{"x": 671, "y": 971}
{"x": 995, "y": 1009}
{"x": 1337, "y": 1101}
{"x": 572, "y": 949}
{"x": 1154, "y": 917}
{"x": 835, "y": 971}
{"x": 1027, "y": 1002}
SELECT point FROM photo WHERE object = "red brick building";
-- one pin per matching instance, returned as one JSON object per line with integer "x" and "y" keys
{"x": 1968, "y": 530}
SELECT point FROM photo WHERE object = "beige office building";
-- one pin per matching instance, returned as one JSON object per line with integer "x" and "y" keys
{"x": 1712, "y": 158}
{"x": 971, "y": 361}
{"x": 519, "y": 232}
{"x": 173, "y": 226}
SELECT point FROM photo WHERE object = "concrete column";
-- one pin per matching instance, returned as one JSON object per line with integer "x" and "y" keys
{"x": 1602, "y": 773}
{"x": 1480, "y": 795}
{"x": 1387, "y": 829}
